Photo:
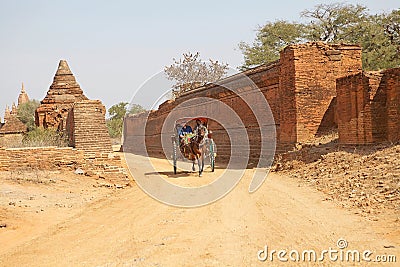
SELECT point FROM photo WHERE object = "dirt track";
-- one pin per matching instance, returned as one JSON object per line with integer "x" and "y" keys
{"x": 128, "y": 228}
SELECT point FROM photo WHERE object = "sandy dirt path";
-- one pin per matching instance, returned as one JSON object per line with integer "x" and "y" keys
{"x": 132, "y": 229}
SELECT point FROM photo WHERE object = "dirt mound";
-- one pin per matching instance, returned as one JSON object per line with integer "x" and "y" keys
{"x": 367, "y": 178}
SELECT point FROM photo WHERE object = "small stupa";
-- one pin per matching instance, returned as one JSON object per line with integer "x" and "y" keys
{"x": 61, "y": 96}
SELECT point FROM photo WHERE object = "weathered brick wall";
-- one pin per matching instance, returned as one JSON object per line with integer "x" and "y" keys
{"x": 350, "y": 91}
{"x": 86, "y": 127}
{"x": 265, "y": 77}
{"x": 300, "y": 89}
{"x": 391, "y": 83}
{"x": 368, "y": 107}
{"x": 314, "y": 68}
{"x": 63, "y": 159}
{"x": 12, "y": 131}
{"x": 11, "y": 140}
{"x": 46, "y": 158}
{"x": 287, "y": 95}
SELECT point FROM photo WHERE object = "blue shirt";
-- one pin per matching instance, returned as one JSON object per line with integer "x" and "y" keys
{"x": 185, "y": 130}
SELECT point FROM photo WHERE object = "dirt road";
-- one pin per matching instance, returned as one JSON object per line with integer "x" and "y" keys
{"x": 129, "y": 228}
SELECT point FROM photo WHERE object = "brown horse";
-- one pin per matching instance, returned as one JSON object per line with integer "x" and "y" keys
{"x": 198, "y": 148}
{"x": 194, "y": 150}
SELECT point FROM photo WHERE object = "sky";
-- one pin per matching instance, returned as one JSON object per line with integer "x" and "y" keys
{"x": 114, "y": 47}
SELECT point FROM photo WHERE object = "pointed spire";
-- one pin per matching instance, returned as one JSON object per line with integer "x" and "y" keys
{"x": 14, "y": 109}
{"x": 63, "y": 68}
{"x": 23, "y": 96}
{"x": 7, "y": 113}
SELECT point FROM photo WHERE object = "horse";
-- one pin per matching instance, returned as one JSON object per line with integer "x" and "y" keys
{"x": 195, "y": 148}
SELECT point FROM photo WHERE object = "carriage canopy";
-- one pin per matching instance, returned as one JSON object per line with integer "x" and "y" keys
{"x": 184, "y": 121}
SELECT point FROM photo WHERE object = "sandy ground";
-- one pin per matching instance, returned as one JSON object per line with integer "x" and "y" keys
{"x": 60, "y": 219}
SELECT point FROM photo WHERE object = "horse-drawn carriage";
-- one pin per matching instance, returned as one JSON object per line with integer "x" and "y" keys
{"x": 194, "y": 144}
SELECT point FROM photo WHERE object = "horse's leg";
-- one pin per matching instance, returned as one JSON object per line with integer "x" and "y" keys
{"x": 199, "y": 163}
{"x": 202, "y": 161}
{"x": 193, "y": 168}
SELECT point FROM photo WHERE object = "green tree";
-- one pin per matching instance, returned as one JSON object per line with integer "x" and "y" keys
{"x": 136, "y": 108}
{"x": 270, "y": 39}
{"x": 334, "y": 22}
{"x": 391, "y": 25}
{"x": 378, "y": 52}
{"x": 191, "y": 72}
{"x": 378, "y": 35}
{"x": 117, "y": 113}
{"x": 26, "y": 113}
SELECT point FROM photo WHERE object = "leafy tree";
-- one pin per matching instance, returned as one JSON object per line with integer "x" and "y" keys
{"x": 26, "y": 113}
{"x": 136, "y": 108}
{"x": 378, "y": 52}
{"x": 391, "y": 25}
{"x": 117, "y": 113}
{"x": 191, "y": 72}
{"x": 270, "y": 39}
{"x": 334, "y": 22}
{"x": 378, "y": 35}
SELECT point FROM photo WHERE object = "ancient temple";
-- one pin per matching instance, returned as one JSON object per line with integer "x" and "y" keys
{"x": 22, "y": 99}
{"x": 23, "y": 96}
{"x": 68, "y": 110}
{"x": 12, "y": 129}
{"x": 60, "y": 98}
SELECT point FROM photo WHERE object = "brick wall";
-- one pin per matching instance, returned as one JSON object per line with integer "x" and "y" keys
{"x": 86, "y": 127}
{"x": 11, "y": 140}
{"x": 63, "y": 159}
{"x": 265, "y": 77}
{"x": 391, "y": 83}
{"x": 300, "y": 89}
{"x": 287, "y": 95}
{"x": 368, "y": 107}
{"x": 314, "y": 68}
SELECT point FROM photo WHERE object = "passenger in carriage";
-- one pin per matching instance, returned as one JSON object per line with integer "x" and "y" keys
{"x": 185, "y": 133}
{"x": 186, "y": 129}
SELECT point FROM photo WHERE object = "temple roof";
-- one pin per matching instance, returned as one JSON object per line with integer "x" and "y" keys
{"x": 64, "y": 88}
{"x": 12, "y": 125}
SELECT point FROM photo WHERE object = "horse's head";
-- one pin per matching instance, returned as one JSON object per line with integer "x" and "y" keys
{"x": 202, "y": 130}
{"x": 201, "y": 133}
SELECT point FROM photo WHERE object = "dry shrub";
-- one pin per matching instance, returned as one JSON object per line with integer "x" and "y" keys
{"x": 40, "y": 137}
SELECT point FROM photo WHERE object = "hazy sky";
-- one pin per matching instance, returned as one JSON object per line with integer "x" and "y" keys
{"x": 112, "y": 47}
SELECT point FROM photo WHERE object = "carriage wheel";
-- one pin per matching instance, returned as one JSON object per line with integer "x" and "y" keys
{"x": 212, "y": 156}
{"x": 174, "y": 156}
